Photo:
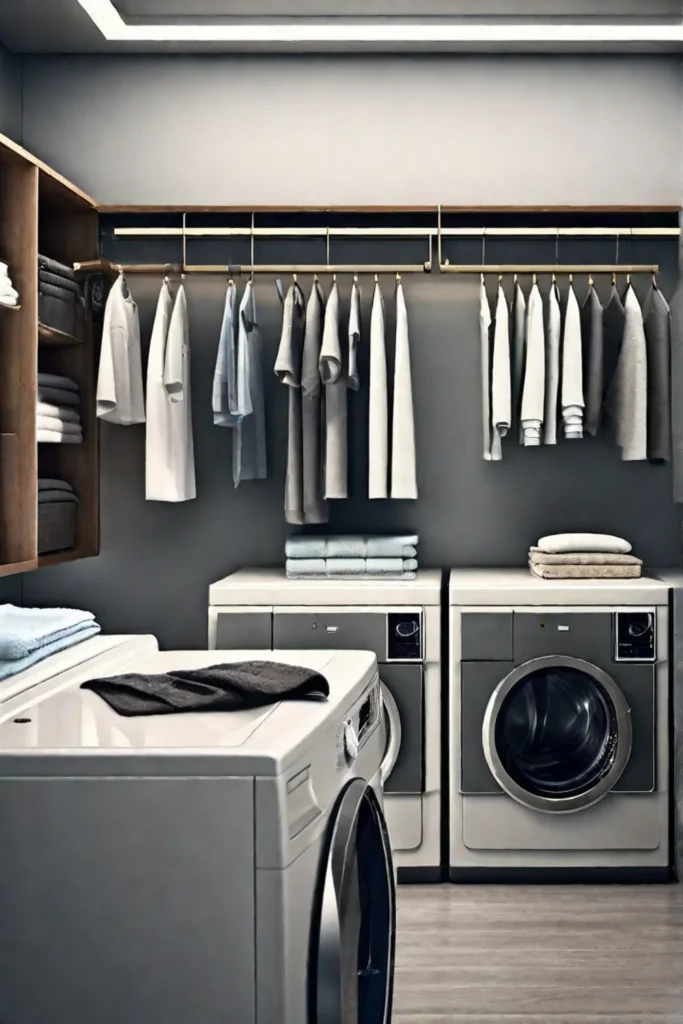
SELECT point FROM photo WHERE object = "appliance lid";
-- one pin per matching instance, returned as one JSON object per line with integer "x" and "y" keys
{"x": 75, "y": 725}
{"x": 260, "y": 587}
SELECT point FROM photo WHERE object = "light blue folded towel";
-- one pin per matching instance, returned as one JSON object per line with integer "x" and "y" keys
{"x": 352, "y": 568}
{"x": 13, "y": 668}
{"x": 352, "y": 547}
{"x": 25, "y": 630}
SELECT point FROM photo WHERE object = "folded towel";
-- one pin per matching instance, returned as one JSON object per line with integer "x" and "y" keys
{"x": 54, "y": 267}
{"x": 295, "y": 573}
{"x": 24, "y": 630}
{"x": 243, "y": 684}
{"x": 58, "y": 396}
{"x": 53, "y": 380}
{"x": 586, "y": 572}
{"x": 62, "y": 412}
{"x": 561, "y": 543}
{"x": 352, "y": 547}
{"x": 352, "y": 566}
{"x": 57, "y": 281}
{"x": 48, "y": 484}
{"x": 61, "y": 294}
{"x": 539, "y": 557}
{"x": 56, "y": 496}
{"x": 13, "y": 668}
{"x": 58, "y": 437}
{"x": 59, "y": 426}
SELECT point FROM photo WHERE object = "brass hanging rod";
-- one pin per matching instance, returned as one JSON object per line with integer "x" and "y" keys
{"x": 317, "y": 268}
{"x": 550, "y": 268}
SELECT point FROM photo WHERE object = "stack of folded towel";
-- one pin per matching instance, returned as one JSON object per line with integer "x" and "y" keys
{"x": 59, "y": 296}
{"x": 9, "y": 296}
{"x": 50, "y": 490}
{"x": 29, "y": 635}
{"x": 383, "y": 558}
{"x": 58, "y": 411}
{"x": 57, "y": 506}
{"x": 584, "y": 556}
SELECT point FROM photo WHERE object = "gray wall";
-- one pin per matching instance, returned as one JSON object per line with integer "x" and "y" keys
{"x": 398, "y": 131}
{"x": 10, "y": 94}
{"x": 231, "y": 130}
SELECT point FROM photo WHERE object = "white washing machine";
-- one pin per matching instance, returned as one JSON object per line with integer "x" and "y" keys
{"x": 401, "y": 623}
{"x": 559, "y": 728}
{"x": 214, "y": 867}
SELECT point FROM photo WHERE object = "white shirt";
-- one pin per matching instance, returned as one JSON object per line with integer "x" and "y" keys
{"x": 160, "y": 484}
{"x": 120, "y": 397}
{"x": 179, "y": 441}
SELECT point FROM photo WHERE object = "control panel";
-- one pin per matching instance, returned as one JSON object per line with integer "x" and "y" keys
{"x": 635, "y": 636}
{"x": 404, "y": 639}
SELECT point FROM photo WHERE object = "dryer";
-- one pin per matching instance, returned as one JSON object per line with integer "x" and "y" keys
{"x": 214, "y": 867}
{"x": 559, "y": 728}
{"x": 400, "y": 621}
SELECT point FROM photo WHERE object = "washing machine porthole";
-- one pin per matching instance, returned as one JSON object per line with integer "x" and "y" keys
{"x": 557, "y": 734}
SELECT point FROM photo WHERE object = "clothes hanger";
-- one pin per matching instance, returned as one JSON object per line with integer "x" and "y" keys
{"x": 571, "y": 279}
{"x": 554, "y": 280}
{"x": 654, "y": 281}
{"x": 376, "y": 278}
{"x": 590, "y": 281}
{"x": 398, "y": 277}
{"x": 614, "y": 280}
{"x": 534, "y": 280}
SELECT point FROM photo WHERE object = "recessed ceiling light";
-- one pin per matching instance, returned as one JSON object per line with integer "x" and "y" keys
{"x": 114, "y": 28}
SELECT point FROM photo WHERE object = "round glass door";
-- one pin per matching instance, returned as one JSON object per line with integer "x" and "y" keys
{"x": 393, "y": 725}
{"x": 351, "y": 960}
{"x": 557, "y": 734}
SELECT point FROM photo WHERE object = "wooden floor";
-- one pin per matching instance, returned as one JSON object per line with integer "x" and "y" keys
{"x": 539, "y": 955}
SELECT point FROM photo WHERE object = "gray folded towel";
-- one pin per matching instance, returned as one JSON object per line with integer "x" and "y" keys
{"x": 57, "y": 281}
{"x": 56, "y": 496}
{"x": 56, "y": 292}
{"x": 586, "y": 572}
{"x": 351, "y": 547}
{"x": 539, "y": 557}
{"x": 230, "y": 687}
{"x": 53, "y": 267}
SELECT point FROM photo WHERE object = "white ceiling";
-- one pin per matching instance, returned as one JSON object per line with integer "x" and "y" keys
{"x": 37, "y": 26}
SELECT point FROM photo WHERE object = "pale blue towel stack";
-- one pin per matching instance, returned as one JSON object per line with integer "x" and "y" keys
{"x": 352, "y": 558}
{"x": 29, "y": 635}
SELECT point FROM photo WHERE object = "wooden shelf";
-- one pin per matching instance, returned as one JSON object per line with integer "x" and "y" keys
{"x": 60, "y": 557}
{"x": 12, "y": 309}
{"x": 51, "y": 336}
{"x": 11, "y": 568}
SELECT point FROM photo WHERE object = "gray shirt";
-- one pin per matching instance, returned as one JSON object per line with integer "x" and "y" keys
{"x": 657, "y": 321}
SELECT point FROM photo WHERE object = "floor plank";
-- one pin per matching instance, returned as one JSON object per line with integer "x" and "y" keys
{"x": 539, "y": 955}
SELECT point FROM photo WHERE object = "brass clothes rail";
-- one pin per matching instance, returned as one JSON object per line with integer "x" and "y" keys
{"x": 237, "y": 269}
{"x": 548, "y": 268}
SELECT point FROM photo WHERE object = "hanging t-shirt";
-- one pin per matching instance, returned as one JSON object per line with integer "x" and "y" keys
{"x": 120, "y": 397}
{"x": 159, "y": 479}
{"x": 178, "y": 387}
{"x": 249, "y": 458}
{"x": 224, "y": 394}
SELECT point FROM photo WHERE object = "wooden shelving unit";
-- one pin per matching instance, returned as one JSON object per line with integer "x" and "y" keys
{"x": 41, "y": 212}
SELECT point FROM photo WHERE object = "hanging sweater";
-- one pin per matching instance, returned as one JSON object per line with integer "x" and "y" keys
{"x": 627, "y": 399}
{"x": 552, "y": 367}
{"x": 485, "y": 347}
{"x": 378, "y": 440}
{"x": 403, "y": 466}
{"x": 501, "y": 387}
{"x": 572, "y": 370}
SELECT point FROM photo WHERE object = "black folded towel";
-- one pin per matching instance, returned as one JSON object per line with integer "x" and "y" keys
{"x": 231, "y": 687}
{"x": 56, "y": 268}
{"x": 45, "y": 277}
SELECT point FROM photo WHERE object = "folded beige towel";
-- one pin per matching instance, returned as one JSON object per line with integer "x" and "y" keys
{"x": 586, "y": 572}
{"x": 539, "y": 557}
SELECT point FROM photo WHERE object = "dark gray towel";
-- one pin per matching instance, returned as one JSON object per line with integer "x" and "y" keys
{"x": 677, "y": 390}
{"x": 231, "y": 687}
{"x": 57, "y": 292}
{"x": 615, "y": 318}
{"x": 45, "y": 277}
{"x": 54, "y": 267}
{"x": 592, "y": 333}
{"x": 657, "y": 323}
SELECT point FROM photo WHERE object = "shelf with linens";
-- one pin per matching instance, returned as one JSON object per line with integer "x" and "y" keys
{"x": 42, "y": 213}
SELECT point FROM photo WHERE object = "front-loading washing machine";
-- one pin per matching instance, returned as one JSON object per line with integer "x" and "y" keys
{"x": 400, "y": 621}
{"x": 215, "y": 866}
{"x": 559, "y": 728}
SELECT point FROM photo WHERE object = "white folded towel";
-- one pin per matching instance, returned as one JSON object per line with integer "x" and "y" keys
{"x": 561, "y": 543}
{"x": 57, "y": 425}
{"x": 66, "y": 413}
{"x": 56, "y": 437}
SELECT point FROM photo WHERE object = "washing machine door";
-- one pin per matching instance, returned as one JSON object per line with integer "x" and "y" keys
{"x": 393, "y": 723}
{"x": 557, "y": 734}
{"x": 351, "y": 959}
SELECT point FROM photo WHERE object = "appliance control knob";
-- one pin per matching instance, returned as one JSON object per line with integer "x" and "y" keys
{"x": 407, "y": 629}
{"x": 351, "y": 743}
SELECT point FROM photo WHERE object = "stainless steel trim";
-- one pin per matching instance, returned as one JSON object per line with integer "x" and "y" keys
{"x": 393, "y": 719}
{"x": 557, "y": 805}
